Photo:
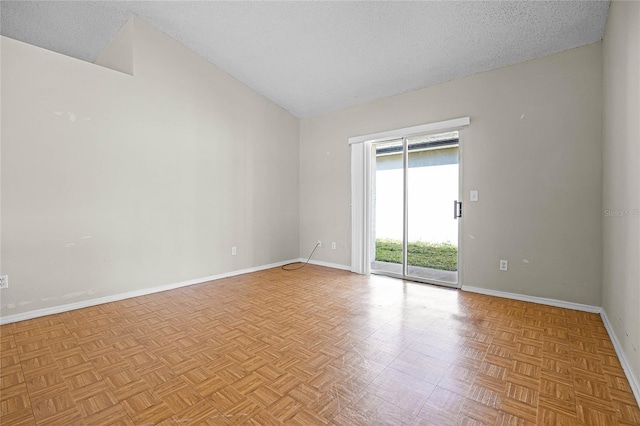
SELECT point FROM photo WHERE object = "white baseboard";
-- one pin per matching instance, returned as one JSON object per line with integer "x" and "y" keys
{"x": 327, "y": 264}
{"x": 121, "y": 296}
{"x": 534, "y": 299}
{"x": 330, "y": 265}
{"x": 633, "y": 380}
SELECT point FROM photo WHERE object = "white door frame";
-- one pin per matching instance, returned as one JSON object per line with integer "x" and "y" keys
{"x": 361, "y": 215}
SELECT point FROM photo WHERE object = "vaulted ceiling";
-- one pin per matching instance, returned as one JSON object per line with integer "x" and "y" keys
{"x": 312, "y": 57}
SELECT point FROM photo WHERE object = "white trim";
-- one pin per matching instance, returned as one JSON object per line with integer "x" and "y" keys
{"x": 405, "y": 205}
{"x": 633, "y": 381}
{"x": 114, "y": 298}
{"x": 414, "y": 130}
{"x": 359, "y": 201}
{"x": 462, "y": 142}
{"x": 328, "y": 264}
{"x": 321, "y": 263}
{"x": 534, "y": 299}
{"x": 360, "y": 182}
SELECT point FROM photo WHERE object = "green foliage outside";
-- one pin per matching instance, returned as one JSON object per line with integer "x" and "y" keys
{"x": 442, "y": 256}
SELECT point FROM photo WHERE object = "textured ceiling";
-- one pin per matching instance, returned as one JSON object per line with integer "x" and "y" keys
{"x": 317, "y": 56}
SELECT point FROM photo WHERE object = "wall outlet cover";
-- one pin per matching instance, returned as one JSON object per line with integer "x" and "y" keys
{"x": 504, "y": 265}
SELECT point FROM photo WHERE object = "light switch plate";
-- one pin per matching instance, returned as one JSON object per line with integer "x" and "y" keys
{"x": 473, "y": 195}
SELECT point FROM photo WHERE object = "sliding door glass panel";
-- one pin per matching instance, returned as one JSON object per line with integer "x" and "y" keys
{"x": 388, "y": 208}
{"x": 432, "y": 187}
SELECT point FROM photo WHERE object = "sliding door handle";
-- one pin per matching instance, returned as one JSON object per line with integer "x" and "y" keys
{"x": 457, "y": 209}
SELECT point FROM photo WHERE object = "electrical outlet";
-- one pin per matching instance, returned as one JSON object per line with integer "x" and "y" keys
{"x": 504, "y": 265}
{"x": 4, "y": 281}
{"x": 233, "y": 251}
{"x": 333, "y": 246}
{"x": 319, "y": 243}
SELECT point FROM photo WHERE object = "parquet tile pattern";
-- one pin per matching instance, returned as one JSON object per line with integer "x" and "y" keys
{"x": 311, "y": 347}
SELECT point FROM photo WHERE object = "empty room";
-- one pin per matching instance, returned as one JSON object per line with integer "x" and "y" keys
{"x": 320, "y": 213}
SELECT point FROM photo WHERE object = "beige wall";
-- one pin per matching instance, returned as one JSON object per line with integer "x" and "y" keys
{"x": 533, "y": 151}
{"x": 118, "y": 54}
{"x": 621, "y": 178}
{"x": 114, "y": 183}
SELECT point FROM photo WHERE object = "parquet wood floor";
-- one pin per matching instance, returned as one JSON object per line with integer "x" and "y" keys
{"x": 312, "y": 347}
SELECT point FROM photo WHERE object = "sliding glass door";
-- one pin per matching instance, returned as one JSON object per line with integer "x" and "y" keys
{"x": 415, "y": 188}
